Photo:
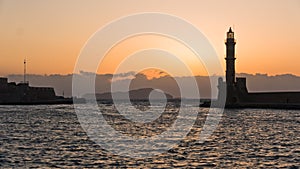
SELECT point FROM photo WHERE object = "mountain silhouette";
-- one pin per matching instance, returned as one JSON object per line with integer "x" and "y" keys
{"x": 139, "y": 94}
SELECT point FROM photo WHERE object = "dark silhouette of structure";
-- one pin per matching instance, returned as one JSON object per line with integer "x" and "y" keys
{"x": 21, "y": 93}
{"x": 235, "y": 90}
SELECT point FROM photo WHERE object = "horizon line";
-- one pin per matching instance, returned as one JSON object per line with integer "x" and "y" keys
{"x": 111, "y": 74}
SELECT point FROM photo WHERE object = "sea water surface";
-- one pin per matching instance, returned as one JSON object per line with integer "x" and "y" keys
{"x": 50, "y": 136}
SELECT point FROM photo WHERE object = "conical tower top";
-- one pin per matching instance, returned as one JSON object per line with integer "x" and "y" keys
{"x": 230, "y": 34}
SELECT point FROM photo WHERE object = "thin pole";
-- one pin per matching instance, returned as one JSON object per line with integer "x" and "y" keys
{"x": 24, "y": 70}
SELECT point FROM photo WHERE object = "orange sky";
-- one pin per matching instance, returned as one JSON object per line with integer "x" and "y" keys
{"x": 51, "y": 33}
{"x": 132, "y": 49}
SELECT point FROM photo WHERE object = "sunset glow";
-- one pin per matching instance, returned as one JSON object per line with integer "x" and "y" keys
{"x": 154, "y": 73}
{"x": 137, "y": 44}
{"x": 50, "y": 34}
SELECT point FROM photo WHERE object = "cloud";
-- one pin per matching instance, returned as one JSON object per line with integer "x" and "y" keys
{"x": 63, "y": 83}
{"x": 84, "y": 73}
{"x": 127, "y": 74}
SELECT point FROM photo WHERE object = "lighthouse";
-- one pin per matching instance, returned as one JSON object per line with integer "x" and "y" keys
{"x": 230, "y": 58}
{"x": 234, "y": 93}
{"x": 229, "y": 90}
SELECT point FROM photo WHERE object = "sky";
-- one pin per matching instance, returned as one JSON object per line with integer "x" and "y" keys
{"x": 51, "y": 33}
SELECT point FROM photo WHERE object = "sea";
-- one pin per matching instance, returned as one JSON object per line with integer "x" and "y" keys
{"x": 51, "y": 136}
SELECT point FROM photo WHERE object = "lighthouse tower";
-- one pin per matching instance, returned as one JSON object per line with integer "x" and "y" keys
{"x": 231, "y": 84}
{"x": 233, "y": 90}
{"x": 230, "y": 58}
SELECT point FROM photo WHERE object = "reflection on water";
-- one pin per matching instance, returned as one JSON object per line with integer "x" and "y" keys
{"x": 139, "y": 129}
{"x": 51, "y": 136}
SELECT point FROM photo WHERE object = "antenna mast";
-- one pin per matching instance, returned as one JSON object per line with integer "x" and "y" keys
{"x": 25, "y": 70}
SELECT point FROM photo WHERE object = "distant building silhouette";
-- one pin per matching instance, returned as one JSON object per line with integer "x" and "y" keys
{"x": 236, "y": 91}
{"x": 22, "y": 93}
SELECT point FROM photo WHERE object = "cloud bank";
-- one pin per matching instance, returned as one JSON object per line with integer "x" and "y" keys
{"x": 255, "y": 83}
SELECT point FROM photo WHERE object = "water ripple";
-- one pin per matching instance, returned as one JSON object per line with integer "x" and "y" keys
{"x": 51, "y": 137}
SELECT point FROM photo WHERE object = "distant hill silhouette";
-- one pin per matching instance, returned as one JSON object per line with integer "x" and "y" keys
{"x": 139, "y": 94}
{"x": 255, "y": 83}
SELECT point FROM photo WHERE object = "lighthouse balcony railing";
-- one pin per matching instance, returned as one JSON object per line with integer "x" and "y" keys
{"x": 226, "y": 40}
